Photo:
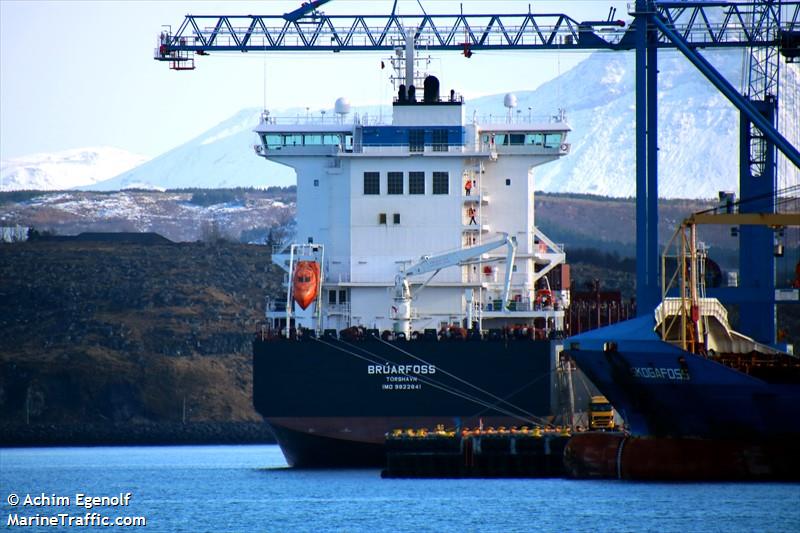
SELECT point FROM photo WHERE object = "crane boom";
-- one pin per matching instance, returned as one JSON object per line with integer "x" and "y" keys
{"x": 435, "y": 263}
{"x": 306, "y": 9}
{"x": 708, "y": 24}
{"x": 458, "y": 257}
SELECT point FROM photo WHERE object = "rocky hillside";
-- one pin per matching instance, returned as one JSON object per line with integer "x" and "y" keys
{"x": 609, "y": 224}
{"x": 129, "y": 333}
{"x": 183, "y": 215}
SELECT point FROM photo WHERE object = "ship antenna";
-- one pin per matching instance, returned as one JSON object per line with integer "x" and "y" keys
{"x": 265, "y": 78}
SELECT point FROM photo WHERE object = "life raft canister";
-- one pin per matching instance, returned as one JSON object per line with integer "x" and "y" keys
{"x": 544, "y": 297}
{"x": 305, "y": 282}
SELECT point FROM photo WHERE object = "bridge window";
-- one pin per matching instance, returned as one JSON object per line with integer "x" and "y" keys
{"x": 440, "y": 142}
{"x": 416, "y": 183}
{"x": 395, "y": 183}
{"x": 517, "y": 139}
{"x": 312, "y": 139}
{"x": 535, "y": 139}
{"x": 441, "y": 183}
{"x": 330, "y": 140}
{"x": 293, "y": 140}
{"x": 552, "y": 140}
{"x": 416, "y": 140}
{"x": 372, "y": 183}
{"x": 272, "y": 140}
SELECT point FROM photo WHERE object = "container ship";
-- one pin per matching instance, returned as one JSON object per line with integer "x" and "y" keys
{"x": 684, "y": 373}
{"x": 419, "y": 289}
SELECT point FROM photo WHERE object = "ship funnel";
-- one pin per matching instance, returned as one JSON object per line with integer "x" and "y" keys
{"x": 431, "y": 89}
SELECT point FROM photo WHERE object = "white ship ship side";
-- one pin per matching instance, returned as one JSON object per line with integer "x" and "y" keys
{"x": 379, "y": 197}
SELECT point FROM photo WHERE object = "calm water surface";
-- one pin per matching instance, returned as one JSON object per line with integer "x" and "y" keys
{"x": 249, "y": 488}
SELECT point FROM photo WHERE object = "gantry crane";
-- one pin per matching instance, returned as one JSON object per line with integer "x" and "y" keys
{"x": 767, "y": 27}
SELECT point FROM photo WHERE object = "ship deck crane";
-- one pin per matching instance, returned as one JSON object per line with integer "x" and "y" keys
{"x": 435, "y": 263}
{"x": 683, "y": 25}
{"x": 684, "y": 291}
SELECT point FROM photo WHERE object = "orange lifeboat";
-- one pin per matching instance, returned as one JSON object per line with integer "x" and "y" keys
{"x": 305, "y": 282}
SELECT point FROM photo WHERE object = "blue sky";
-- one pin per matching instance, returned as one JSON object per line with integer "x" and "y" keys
{"x": 78, "y": 74}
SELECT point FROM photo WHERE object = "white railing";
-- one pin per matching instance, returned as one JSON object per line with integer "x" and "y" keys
{"x": 338, "y": 309}
{"x": 329, "y": 118}
{"x": 405, "y": 148}
{"x": 521, "y": 116}
{"x": 522, "y": 148}
{"x": 479, "y": 221}
{"x": 476, "y": 194}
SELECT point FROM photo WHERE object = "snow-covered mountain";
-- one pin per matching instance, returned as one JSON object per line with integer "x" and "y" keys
{"x": 66, "y": 169}
{"x": 698, "y": 133}
{"x": 219, "y": 158}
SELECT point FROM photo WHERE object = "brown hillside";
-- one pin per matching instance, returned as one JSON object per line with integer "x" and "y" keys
{"x": 127, "y": 332}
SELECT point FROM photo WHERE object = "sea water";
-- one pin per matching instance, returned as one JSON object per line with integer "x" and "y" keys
{"x": 250, "y": 488}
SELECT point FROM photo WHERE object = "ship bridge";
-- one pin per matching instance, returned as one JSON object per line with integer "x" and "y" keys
{"x": 412, "y": 132}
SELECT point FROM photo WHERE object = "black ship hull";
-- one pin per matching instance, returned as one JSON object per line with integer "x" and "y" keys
{"x": 330, "y": 402}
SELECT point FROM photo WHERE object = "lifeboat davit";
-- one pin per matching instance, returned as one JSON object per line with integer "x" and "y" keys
{"x": 305, "y": 282}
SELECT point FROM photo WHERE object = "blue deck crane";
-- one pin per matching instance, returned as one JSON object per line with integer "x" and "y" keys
{"x": 767, "y": 27}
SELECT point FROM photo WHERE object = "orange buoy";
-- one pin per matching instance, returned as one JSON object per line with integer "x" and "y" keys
{"x": 305, "y": 282}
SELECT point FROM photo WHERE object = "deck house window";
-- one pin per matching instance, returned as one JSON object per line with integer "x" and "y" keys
{"x": 395, "y": 183}
{"x": 416, "y": 183}
{"x": 372, "y": 183}
{"x": 441, "y": 183}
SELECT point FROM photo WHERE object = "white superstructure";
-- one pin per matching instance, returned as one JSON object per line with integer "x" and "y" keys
{"x": 379, "y": 197}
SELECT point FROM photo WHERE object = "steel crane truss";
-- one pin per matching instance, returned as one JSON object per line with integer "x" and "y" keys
{"x": 703, "y": 24}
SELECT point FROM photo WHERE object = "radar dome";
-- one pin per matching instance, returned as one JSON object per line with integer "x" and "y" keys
{"x": 342, "y": 106}
{"x": 510, "y": 100}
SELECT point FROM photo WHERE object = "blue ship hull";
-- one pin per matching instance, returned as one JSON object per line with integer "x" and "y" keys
{"x": 663, "y": 391}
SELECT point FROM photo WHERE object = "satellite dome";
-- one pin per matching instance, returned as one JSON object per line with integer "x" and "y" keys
{"x": 510, "y": 100}
{"x": 342, "y": 106}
